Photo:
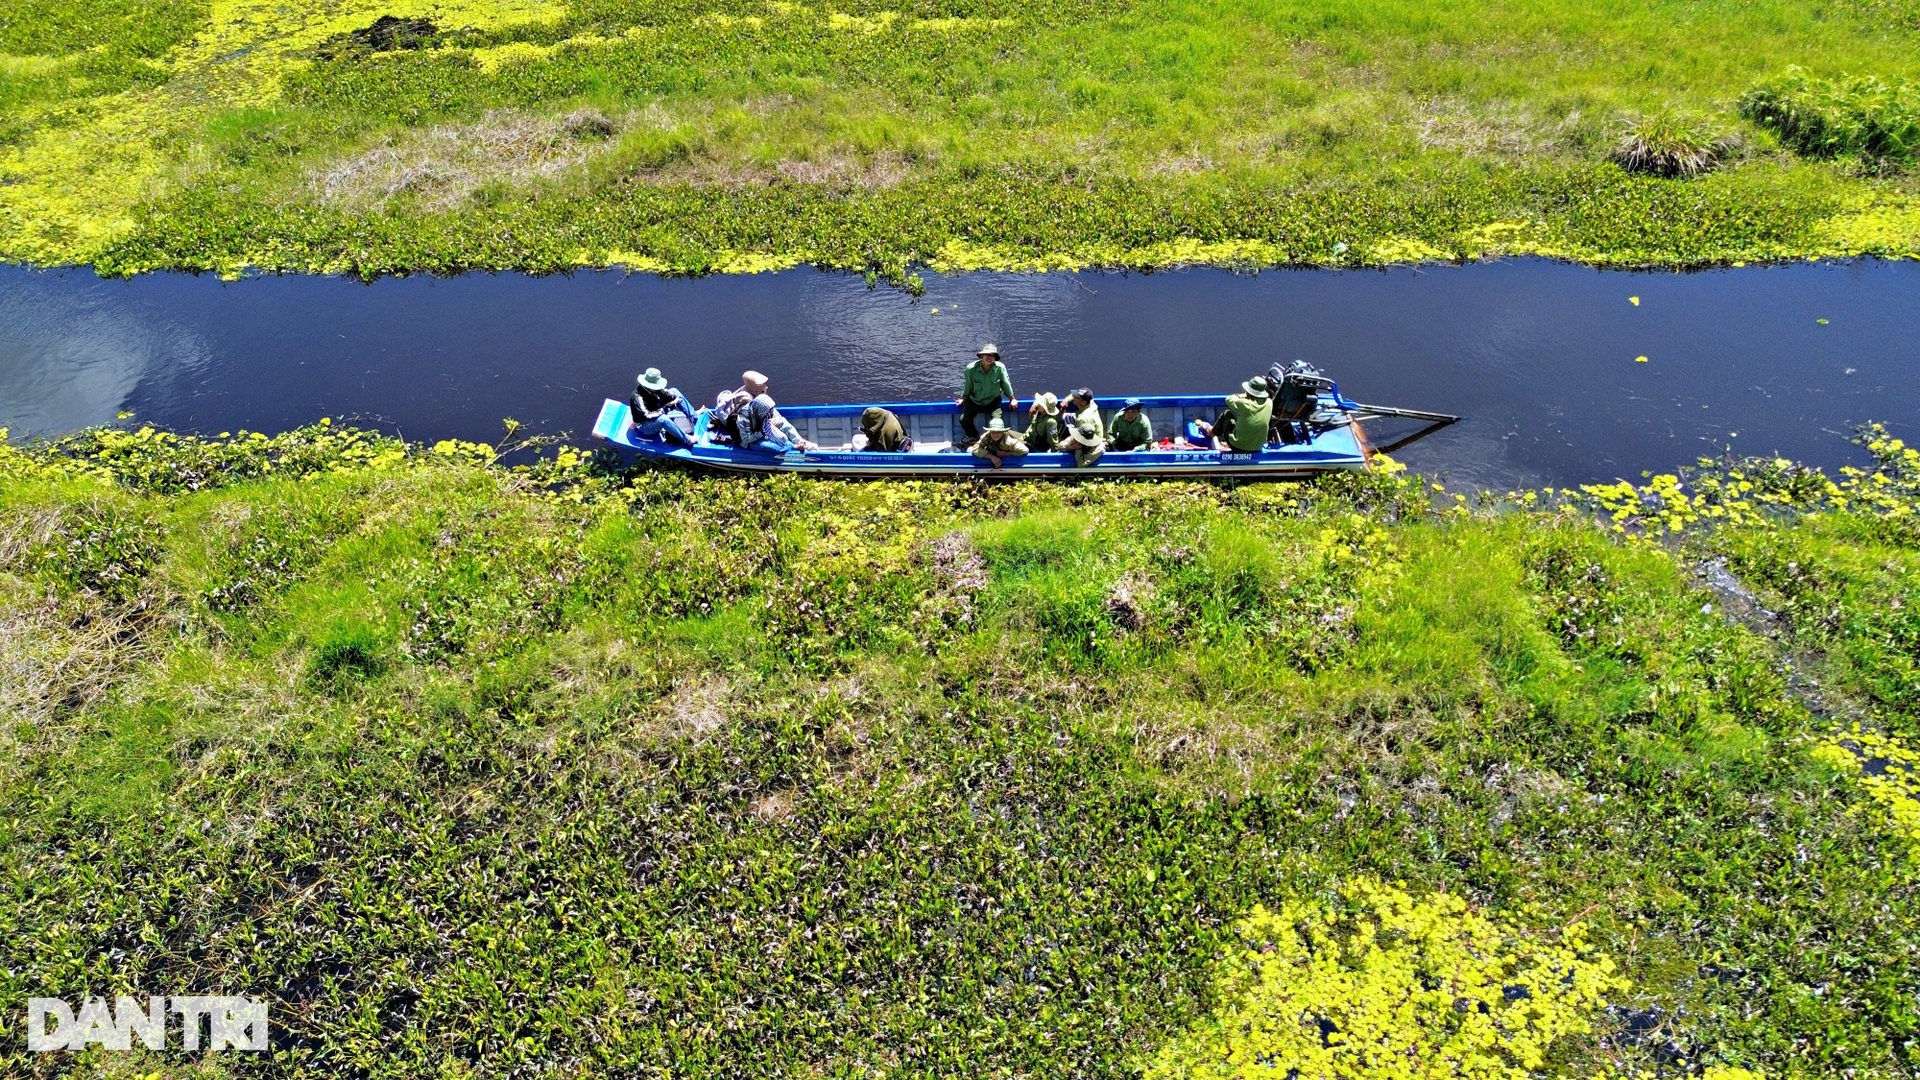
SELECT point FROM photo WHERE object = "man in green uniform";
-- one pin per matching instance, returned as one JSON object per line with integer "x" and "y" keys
{"x": 985, "y": 388}
{"x": 883, "y": 431}
{"x": 1131, "y": 429}
{"x": 1242, "y": 427}
{"x": 1086, "y": 436}
{"x": 1043, "y": 424}
{"x": 999, "y": 442}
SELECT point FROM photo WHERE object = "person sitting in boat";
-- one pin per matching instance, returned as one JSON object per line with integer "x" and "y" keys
{"x": 1086, "y": 436}
{"x": 985, "y": 390}
{"x": 1242, "y": 425}
{"x": 998, "y": 443}
{"x": 721, "y": 418}
{"x": 1131, "y": 430}
{"x": 660, "y": 412}
{"x": 1043, "y": 424}
{"x": 759, "y": 424}
{"x": 883, "y": 431}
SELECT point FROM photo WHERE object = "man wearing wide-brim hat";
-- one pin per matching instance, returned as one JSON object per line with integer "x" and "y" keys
{"x": 1086, "y": 436}
{"x": 1043, "y": 424}
{"x": 1242, "y": 425}
{"x": 1000, "y": 441}
{"x": 659, "y": 411}
{"x": 985, "y": 390}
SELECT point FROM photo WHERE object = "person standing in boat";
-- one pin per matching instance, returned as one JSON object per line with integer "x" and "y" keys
{"x": 985, "y": 390}
{"x": 759, "y": 423}
{"x": 660, "y": 412}
{"x": 1086, "y": 436}
{"x": 1131, "y": 430}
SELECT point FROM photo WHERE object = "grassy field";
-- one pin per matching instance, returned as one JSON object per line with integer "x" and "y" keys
{"x": 741, "y": 134}
{"x": 474, "y": 771}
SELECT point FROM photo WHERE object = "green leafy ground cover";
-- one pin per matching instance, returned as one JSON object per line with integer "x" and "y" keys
{"x": 561, "y": 770}
{"x": 678, "y": 135}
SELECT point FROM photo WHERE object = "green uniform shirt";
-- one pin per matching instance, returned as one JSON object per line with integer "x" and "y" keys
{"x": 1091, "y": 415}
{"x": 1130, "y": 434}
{"x": 1000, "y": 444}
{"x": 1044, "y": 433}
{"x": 1250, "y": 419}
{"x": 987, "y": 387}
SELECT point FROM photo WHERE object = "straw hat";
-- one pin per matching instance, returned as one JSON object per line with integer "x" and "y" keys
{"x": 652, "y": 379}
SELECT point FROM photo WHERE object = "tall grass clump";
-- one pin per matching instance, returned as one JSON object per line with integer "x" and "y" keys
{"x": 1670, "y": 145}
{"x": 1863, "y": 116}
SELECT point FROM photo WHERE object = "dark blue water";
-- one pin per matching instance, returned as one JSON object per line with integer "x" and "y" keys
{"x": 1539, "y": 356}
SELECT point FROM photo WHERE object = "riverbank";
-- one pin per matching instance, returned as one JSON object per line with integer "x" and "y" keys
{"x": 470, "y": 768}
{"x": 738, "y": 136}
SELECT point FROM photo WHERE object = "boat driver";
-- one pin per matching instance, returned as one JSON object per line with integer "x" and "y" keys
{"x": 660, "y": 412}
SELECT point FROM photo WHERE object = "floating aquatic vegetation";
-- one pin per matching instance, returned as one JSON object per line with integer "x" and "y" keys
{"x": 1754, "y": 491}
{"x": 1385, "y": 983}
{"x": 70, "y": 190}
{"x": 1887, "y": 769}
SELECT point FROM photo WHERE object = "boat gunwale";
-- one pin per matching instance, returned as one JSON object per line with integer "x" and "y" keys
{"x": 614, "y": 426}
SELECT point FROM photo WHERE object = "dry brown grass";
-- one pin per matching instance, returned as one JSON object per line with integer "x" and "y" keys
{"x": 56, "y": 661}
{"x": 1501, "y": 129}
{"x": 447, "y": 164}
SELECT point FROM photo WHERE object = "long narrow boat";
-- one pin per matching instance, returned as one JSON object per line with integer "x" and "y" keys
{"x": 1336, "y": 443}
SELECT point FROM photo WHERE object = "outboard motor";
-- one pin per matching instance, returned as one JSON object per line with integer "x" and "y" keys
{"x": 1295, "y": 393}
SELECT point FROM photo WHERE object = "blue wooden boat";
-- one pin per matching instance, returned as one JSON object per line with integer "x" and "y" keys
{"x": 1336, "y": 442}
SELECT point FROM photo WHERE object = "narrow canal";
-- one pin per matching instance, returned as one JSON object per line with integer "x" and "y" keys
{"x": 1542, "y": 357}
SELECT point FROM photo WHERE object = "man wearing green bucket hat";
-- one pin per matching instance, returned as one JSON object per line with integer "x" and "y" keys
{"x": 659, "y": 411}
{"x": 1086, "y": 436}
{"x": 986, "y": 388}
{"x": 999, "y": 442}
{"x": 1242, "y": 426}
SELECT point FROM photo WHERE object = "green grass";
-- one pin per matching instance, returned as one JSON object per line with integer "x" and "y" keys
{"x": 871, "y": 136}
{"x": 479, "y": 772}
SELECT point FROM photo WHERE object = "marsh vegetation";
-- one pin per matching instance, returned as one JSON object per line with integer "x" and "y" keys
{"x": 479, "y": 770}
{"x": 380, "y": 137}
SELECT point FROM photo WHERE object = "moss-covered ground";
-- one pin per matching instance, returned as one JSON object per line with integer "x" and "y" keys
{"x": 474, "y": 771}
{"x": 696, "y": 135}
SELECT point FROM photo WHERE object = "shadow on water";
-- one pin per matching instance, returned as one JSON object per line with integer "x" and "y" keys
{"x": 1540, "y": 356}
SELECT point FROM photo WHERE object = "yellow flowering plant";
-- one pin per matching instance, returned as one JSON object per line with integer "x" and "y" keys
{"x": 1888, "y": 770}
{"x": 1388, "y": 984}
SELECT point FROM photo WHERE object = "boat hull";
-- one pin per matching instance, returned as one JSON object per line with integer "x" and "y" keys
{"x": 1337, "y": 448}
